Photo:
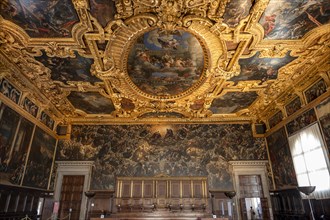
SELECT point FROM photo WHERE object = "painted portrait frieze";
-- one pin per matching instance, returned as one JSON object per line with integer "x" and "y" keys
{"x": 315, "y": 90}
{"x": 42, "y": 19}
{"x": 30, "y": 107}
{"x": 263, "y": 69}
{"x": 166, "y": 63}
{"x": 8, "y": 90}
{"x": 293, "y": 106}
{"x": 47, "y": 120}
{"x": 323, "y": 113}
{"x": 293, "y": 19}
{"x": 91, "y": 102}
{"x": 275, "y": 119}
{"x": 232, "y": 102}
{"x": 300, "y": 122}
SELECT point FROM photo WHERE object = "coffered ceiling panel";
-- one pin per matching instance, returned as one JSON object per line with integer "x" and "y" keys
{"x": 261, "y": 69}
{"x": 41, "y": 18}
{"x": 91, "y": 102}
{"x": 124, "y": 61}
{"x": 293, "y": 19}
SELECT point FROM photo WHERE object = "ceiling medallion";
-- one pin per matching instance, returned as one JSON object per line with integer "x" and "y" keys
{"x": 166, "y": 64}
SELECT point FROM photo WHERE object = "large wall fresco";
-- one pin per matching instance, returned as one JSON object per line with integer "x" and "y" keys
{"x": 91, "y": 102}
{"x": 293, "y": 19}
{"x": 263, "y": 69}
{"x": 38, "y": 168}
{"x": 280, "y": 157}
{"x": 323, "y": 112}
{"x": 175, "y": 150}
{"x": 164, "y": 63}
{"x": 69, "y": 69}
{"x": 232, "y": 102}
{"x": 41, "y": 18}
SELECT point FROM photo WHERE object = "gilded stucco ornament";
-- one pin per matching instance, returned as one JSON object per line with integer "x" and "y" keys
{"x": 55, "y": 50}
{"x": 169, "y": 14}
{"x": 225, "y": 47}
{"x": 277, "y": 51}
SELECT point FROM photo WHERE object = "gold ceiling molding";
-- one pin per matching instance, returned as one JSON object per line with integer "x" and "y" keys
{"x": 198, "y": 17}
{"x": 299, "y": 74}
{"x": 224, "y": 47}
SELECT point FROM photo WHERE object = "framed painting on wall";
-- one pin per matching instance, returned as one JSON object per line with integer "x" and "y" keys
{"x": 300, "y": 122}
{"x": 280, "y": 156}
{"x": 315, "y": 90}
{"x": 275, "y": 119}
{"x": 47, "y": 120}
{"x": 7, "y": 89}
{"x": 20, "y": 151}
{"x": 38, "y": 168}
{"x": 293, "y": 106}
{"x": 323, "y": 113}
{"x": 30, "y": 107}
{"x": 8, "y": 126}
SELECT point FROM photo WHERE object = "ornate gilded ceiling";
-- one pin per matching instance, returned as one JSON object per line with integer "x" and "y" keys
{"x": 124, "y": 61}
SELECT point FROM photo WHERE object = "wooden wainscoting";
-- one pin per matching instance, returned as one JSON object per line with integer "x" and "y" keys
{"x": 18, "y": 202}
{"x": 159, "y": 196}
{"x": 161, "y": 193}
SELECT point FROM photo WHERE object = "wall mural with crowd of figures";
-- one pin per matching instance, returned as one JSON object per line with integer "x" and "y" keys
{"x": 26, "y": 151}
{"x": 280, "y": 157}
{"x": 323, "y": 112}
{"x": 40, "y": 160}
{"x": 148, "y": 150}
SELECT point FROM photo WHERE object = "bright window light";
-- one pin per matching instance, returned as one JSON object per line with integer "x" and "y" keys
{"x": 310, "y": 161}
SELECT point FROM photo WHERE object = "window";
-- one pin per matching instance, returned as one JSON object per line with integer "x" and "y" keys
{"x": 310, "y": 161}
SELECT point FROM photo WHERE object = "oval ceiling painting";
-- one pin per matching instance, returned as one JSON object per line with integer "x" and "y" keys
{"x": 166, "y": 63}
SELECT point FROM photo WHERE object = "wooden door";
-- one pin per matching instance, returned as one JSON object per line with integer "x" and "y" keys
{"x": 265, "y": 208}
{"x": 71, "y": 196}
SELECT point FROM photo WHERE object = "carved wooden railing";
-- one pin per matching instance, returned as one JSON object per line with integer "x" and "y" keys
{"x": 159, "y": 193}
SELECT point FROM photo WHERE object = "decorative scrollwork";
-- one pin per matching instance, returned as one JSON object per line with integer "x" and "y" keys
{"x": 277, "y": 51}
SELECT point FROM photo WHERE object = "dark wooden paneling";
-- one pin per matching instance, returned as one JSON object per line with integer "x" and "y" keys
{"x": 186, "y": 189}
{"x": 148, "y": 189}
{"x": 137, "y": 189}
{"x": 175, "y": 189}
{"x": 162, "y": 189}
{"x": 126, "y": 193}
{"x": 198, "y": 189}
{"x": 18, "y": 202}
{"x": 71, "y": 196}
